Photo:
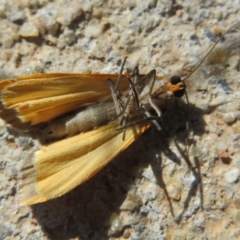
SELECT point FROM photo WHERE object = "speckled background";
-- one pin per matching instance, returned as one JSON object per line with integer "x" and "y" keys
{"x": 152, "y": 190}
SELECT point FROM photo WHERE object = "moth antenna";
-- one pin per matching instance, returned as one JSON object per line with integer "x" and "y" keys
{"x": 194, "y": 70}
{"x": 210, "y": 50}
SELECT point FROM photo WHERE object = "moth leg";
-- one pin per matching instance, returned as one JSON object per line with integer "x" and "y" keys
{"x": 122, "y": 103}
{"x": 155, "y": 107}
{"x": 145, "y": 119}
{"x": 125, "y": 104}
{"x": 149, "y": 115}
{"x": 152, "y": 75}
{"x": 135, "y": 81}
{"x": 117, "y": 96}
{"x": 135, "y": 92}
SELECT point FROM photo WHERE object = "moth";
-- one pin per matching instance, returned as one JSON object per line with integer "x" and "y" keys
{"x": 90, "y": 120}
{"x": 52, "y": 99}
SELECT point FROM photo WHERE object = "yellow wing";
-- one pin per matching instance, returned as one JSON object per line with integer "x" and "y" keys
{"x": 61, "y": 166}
{"x": 41, "y": 97}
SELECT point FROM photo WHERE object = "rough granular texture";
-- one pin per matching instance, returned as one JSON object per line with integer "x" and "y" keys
{"x": 153, "y": 190}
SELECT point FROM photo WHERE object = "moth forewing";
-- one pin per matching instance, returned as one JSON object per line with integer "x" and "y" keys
{"x": 41, "y": 97}
{"x": 61, "y": 166}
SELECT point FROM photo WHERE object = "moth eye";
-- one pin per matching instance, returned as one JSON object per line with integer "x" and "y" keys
{"x": 175, "y": 80}
{"x": 50, "y": 132}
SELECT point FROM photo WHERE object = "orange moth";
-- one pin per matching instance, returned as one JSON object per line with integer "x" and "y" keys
{"x": 60, "y": 166}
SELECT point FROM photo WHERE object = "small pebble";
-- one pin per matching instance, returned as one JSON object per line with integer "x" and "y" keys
{"x": 131, "y": 3}
{"x": 236, "y": 127}
{"x": 27, "y": 70}
{"x": 229, "y": 191}
{"x": 130, "y": 219}
{"x": 204, "y": 107}
{"x": 152, "y": 3}
{"x": 195, "y": 151}
{"x": 23, "y": 211}
{"x": 235, "y": 104}
{"x": 3, "y": 75}
{"x": 200, "y": 83}
{"x": 69, "y": 37}
{"x": 144, "y": 210}
{"x": 237, "y": 218}
{"x": 38, "y": 69}
{"x": 116, "y": 224}
{"x": 126, "y": 234}
{"x": 174, "y": 192}
{"x": 7, "y": 41}
{"x": 237, "y": 114}
{"x": 24, "y": 142}
{"x": 29, "y": 30}
{"x": 232, "y": 176}
{"x": 224, "y": 156}
{"x": 148, "y": 174}
{"x": 97, "y": 52}
{"x": 16, "y": 37}
{"x": 52, "y": 27}
{"x": 34, "y": 4}
{"x": 87, "y": 6}
{"x": 232, "y": 116}
{"x": 74, "y": 12}
{"x": 221, "y": 145}
{"x": 93, "y": 31}
{"x": 153, "y": 216}
{"x": 219, "y": 15}
{"x": 148, "y": 193}
{"x": 2, "y": 13}
{"x": 5, "y": 231}
{"x": 218, "y": 56}
{"x": 180, "y": 237}
{"x": 132, "y": 202}
{"x": 237, "y": 203}
{"x": 17, "y": 17}
{"x": 218, "y": 101}
{"x": 229, "y": 118}
{"x": 135, "y": 236}
{"x": 97, "y": 13}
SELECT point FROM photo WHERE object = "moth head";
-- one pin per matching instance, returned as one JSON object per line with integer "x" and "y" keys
{"x": 177, "y": 86}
